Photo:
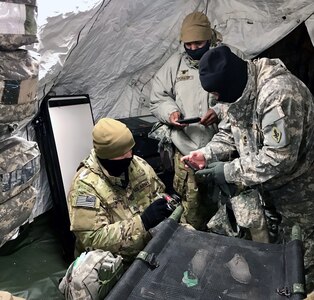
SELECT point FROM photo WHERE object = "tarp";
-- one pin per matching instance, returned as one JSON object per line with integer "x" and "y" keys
{"x": 33, "y": 264}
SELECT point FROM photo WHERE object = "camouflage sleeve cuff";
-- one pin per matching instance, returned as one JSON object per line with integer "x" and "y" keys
{"x": 227, "y": 172}
{"x": 207, "y": 154}
{"x": 139, "y": 224}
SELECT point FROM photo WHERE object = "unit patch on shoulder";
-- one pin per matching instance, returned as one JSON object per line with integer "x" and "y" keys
{"x": 276, "y": 134}
{"x": 86, "y": 201}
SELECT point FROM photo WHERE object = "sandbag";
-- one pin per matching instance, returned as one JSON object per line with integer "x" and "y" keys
{"x": 18, "y": 23}
{"x": 18, "y": 89}
{"x": 19, "y": 167}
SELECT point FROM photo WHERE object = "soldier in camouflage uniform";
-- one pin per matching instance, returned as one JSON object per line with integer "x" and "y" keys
{"x": 177, "y": 93}
{"x": 113, "y": 198}
{"x": 269, "y": 124}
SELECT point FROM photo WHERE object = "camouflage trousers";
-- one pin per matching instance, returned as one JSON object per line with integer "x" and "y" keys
{"x": 295, "y": 203}
{"x": 308, "y": 244}
{"x": 247, "y": 212}
{"x": 196, "y": 199}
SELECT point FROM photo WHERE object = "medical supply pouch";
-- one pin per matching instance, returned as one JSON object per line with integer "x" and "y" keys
{"x": 91, "y": 276}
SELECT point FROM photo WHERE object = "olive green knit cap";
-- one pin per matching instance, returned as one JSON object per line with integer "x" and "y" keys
{"x": 111, "y": 138}
{"x": 195, "y": 27}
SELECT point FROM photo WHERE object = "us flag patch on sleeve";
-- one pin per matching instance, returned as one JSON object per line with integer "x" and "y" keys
{"x": 86, "y": 201}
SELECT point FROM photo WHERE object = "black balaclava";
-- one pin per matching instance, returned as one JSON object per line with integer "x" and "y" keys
{"x": 116, "y": 167}
{"x": 197, "y": 53}
{"x": 223, "y": 72}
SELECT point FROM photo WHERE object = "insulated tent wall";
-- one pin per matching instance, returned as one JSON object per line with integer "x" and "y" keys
{"x": 112, "y": 50}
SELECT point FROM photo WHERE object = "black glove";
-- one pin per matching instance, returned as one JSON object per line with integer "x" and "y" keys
{"x": 215, "y": 173}
{"x": 155, "y": 213}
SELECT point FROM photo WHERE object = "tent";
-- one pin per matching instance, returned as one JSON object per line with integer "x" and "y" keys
{"x": 110, "y": 50}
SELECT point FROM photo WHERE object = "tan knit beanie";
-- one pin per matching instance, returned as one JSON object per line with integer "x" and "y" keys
{"x": 195, "y": 27}
{"x": 111, "y": 138}
{"x": 8, "y": 296}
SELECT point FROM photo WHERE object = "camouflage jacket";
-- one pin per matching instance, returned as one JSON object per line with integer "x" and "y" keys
{"x": 176, "y": 87}
{"x": 270, "y": 126}
{"x": 104, "y": 215}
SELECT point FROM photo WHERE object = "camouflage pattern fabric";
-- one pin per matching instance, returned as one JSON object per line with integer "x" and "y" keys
{"x": 294, "y": 201}
{"x": 27, "y": 2}
{"x": 162, "y": 133}
{"x": 24, "y": 15}
{"x": 83, "y": 279}
{"x": 18, "y": 87}
{"x": 248, "y": 213}
{"x": 104, "y": 215}
{"x": 7, "y": 130}
{"x": 15, "y": 212}
{"x": 271, "y": 127}
{"x": 196, "y": 199}
{"x": 19, "y": 166}
{"x": 220, "y": 223}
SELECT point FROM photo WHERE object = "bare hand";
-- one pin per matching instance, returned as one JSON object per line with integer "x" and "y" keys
{"x": 209, "y": 118}
{"x": 174, "y": 117}
{"x": 195, "y": 157}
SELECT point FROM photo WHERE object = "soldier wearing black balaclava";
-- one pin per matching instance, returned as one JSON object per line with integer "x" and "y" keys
{"x": 269, "y": 126}
{"x": 114, "y": 199}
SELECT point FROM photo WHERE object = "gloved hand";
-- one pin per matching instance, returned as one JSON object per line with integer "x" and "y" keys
{"x": 155, "y": 213}
{"x": 215, "y": 173}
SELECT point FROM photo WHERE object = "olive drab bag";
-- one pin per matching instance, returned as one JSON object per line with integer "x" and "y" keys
{"x": 19, "y": 167}
{"x": 91, "y": 276}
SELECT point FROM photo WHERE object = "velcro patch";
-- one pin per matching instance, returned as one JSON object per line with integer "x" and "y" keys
{"x": 86, "y": 201}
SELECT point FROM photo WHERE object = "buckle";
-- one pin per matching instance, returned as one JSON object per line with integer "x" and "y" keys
{"x": 149, "y": 258}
